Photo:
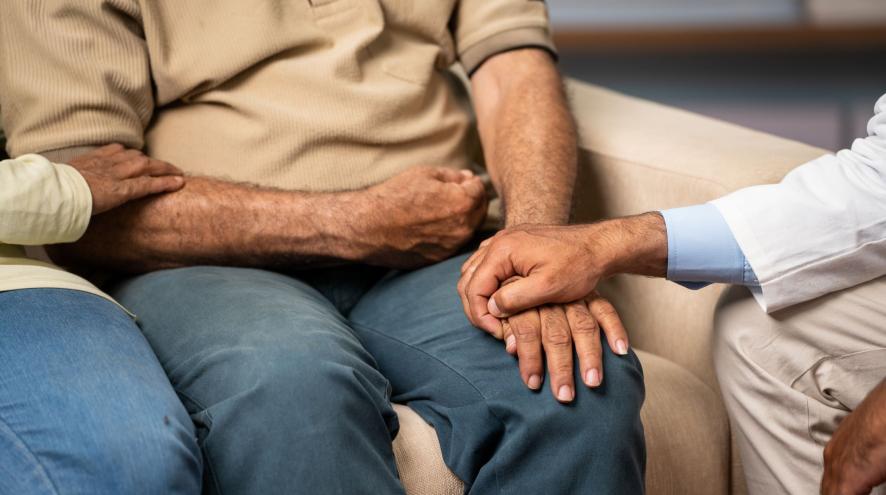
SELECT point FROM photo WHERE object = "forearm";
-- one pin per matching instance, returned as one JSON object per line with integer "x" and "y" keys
{"x": 216, "y": 222}
{"x": 528, "y": 135}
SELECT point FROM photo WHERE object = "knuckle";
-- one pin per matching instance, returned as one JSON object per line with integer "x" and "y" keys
{"x": 462, "y": 207}
{"x": 607, "y": 311}
{"x": 557, "y": 337}
{"x": 524, "y": 332}
{"x": 561, "y": 368}
{"x": 585, "y": 327}
{"x": 545, "y": 282}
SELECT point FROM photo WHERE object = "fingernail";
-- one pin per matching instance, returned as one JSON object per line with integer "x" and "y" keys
{"x": 534, "y": 382}
{"x": 493, "y": 308}
{"x": 592, "y": 378}
{"x": 467, "y": 173}
{"x": 565, "y": 393}
{"x": 511, "y": 343}
{"x": 621, "y": 347}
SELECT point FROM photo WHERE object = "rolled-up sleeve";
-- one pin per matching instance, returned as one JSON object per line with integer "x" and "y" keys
{"x": 42, "y": 202}
{"x": 483, "y": 28}
{"x": 73, "y": 74}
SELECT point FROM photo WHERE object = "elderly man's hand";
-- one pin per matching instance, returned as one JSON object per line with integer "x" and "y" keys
{"x": 548, "y": 333}
{"x": 117, "y": 175}
{"x": 855, "y": 458}
{"x": 420, "y": 216}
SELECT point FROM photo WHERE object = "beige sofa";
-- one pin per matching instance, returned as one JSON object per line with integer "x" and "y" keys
{"x": 638, "y": 156}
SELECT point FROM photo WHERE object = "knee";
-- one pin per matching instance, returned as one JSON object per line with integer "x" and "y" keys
{"x": 148, "y": 453}
{"x": 320, "y": 384}
{"x": 608, "y": 415}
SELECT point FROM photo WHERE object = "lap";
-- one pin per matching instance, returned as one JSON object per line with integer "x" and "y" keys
{"x": 464, "y": 383}
{"x": 81, "y": 391}
{"x": 219, "y": 330}
{"x": 835, "y": 342}
{"x": 415, "y": 327}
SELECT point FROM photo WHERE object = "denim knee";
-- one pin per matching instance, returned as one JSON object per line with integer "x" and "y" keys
{"x": 307, "y": 386}
{"x": 152, "y": 453}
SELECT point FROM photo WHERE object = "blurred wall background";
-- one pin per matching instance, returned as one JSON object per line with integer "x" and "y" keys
{"x": 805, "y": 69}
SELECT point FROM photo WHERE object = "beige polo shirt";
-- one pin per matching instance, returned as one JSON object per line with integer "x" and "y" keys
{"x": 319, "y": 95}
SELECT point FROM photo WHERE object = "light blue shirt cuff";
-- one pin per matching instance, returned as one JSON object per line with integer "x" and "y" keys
{"x": 702, "y": 249}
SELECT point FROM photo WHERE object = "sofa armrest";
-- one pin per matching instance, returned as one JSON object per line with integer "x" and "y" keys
{"x": 639, "y": 156}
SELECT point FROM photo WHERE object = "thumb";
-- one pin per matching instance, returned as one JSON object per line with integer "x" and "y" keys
{"x": 474, "y": 188}
{"x": 522, "y": 294}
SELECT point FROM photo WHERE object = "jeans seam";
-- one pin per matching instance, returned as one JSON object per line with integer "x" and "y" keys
{"x": 435, "y": 358}
{"x": 208, "y": 465}
{"x": 43, "y": 470}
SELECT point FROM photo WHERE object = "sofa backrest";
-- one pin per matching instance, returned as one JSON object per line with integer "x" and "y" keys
{"x": 3, "y": 154}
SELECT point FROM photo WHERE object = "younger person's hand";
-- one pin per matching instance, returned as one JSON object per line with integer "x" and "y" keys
{"x": 117, "y": 175}
{"x": 556, "y": 265}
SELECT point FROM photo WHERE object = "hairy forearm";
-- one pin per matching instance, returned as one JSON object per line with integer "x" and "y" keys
{"x": 528, "y": 135}
{"x": 216, "y": 222}
{"x": 637, "y": 244}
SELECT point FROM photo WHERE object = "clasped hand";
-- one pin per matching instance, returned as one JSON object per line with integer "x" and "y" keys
{"x": 534, "y": 288}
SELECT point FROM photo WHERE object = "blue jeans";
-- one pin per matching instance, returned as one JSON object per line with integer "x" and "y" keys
{"x": 290, "y": 381}
{"x": 85, "y": 407}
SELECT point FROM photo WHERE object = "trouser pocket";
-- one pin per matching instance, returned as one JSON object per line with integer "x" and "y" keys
{"x": 837, "y": 385}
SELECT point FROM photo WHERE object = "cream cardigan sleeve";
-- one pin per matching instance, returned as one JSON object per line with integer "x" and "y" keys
{"x": 42, "y": 202}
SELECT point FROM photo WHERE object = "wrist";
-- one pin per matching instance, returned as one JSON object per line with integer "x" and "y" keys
{"x": 534, "y": 217}
{"x": 636, "y": 245}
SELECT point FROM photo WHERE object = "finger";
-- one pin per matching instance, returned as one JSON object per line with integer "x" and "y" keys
{"x": 157, "y": 168}
{"x": 556, "y": 339}
{"x": 528, "y": 292}
{"x": 526, "y": 328}
{"x": 586, "y": 336}
{"x": 492, "y": 270}
{"x": 608, "y": 318}
{"x": 146, "y": 186}
{"x": 508, "y": 336}
{"x": 144, "y": 166}
{"x": 125, "y": 156}
{"x": 490, "y": 325}
{"x": 108, "y": 150}
{"x": 474, "y": 188}
{"x": 470, "y": 265}
{"x": 444, "y": 174}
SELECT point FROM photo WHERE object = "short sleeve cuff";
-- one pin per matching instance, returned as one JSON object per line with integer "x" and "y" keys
{"x": 513, "y": 39}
